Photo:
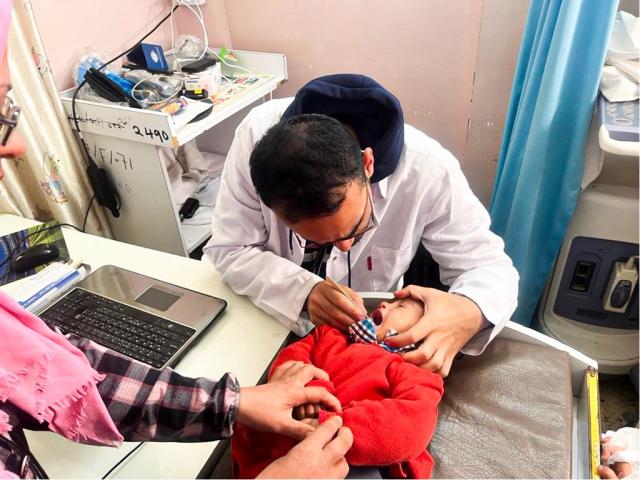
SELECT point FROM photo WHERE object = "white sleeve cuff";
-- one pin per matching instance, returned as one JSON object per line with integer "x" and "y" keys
{"x": 487, "y": 331}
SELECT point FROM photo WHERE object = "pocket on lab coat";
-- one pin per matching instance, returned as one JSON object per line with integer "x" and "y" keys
{"x": 387, "y": 266}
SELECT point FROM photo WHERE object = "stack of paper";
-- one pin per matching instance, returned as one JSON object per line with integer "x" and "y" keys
{"x": 39, "y": 291}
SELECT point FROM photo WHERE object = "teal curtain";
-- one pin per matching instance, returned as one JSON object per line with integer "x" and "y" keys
{"x": 541, "y": 156}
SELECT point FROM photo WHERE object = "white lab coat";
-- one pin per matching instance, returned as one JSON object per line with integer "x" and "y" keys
{"x": 426, "y": 199}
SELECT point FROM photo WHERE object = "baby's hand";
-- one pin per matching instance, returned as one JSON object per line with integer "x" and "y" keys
{"x": 314, "y": 422}
{"x": 617, "y": 469}
{"x": 308, "y": 410}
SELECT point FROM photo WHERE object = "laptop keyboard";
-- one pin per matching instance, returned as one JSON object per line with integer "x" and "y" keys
{"x": 132, "y": 332}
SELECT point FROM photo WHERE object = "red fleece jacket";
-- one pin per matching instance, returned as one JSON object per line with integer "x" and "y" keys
{"x": 389, "y": 405}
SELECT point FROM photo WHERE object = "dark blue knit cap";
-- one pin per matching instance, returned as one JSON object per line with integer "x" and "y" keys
{"x": 365, "y": 105}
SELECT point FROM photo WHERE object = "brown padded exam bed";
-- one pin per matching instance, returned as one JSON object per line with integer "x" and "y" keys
{"x": 506, "y": 414}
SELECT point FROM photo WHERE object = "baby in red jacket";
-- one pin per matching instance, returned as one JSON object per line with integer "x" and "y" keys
{"x": 389, "y": 405}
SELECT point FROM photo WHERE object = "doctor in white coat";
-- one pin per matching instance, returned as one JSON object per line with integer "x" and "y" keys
{"x": 349, "y": 192}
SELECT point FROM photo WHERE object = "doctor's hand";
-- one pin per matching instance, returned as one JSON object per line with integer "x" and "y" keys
{"x": 319, "y": 455}
{"x": 328, "y": 306}
{"x": 448, "y": 323}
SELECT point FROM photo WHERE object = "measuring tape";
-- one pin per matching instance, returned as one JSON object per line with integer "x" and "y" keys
{"x": 594, "y": 420}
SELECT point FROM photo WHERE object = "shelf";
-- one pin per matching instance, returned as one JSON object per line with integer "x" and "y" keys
{"x": 264, "y": 86}
{"x": 157, "y": 128}
{"x": 124, "y": 142}
{"x": 195, "y": 235}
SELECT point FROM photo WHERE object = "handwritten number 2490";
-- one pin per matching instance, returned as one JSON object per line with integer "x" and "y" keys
{"x": 161, "y": 135}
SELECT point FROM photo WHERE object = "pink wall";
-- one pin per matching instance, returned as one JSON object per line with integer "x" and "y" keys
{"x": 501, "y": 28}
{"x": 449, "y": 63}
{"x": 423, "y": 51}
{"x": 69, "y": 27}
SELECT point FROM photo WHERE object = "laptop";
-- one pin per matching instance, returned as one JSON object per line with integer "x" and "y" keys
{"x": 149, "y": 320}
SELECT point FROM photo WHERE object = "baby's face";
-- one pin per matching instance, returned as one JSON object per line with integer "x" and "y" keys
{"x": 399, "y": 315}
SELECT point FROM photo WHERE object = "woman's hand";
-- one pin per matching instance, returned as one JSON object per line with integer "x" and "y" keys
{"x": 297, "y": 373}
{"x": 269, "y": 407}
{"x": 319, "y": 455}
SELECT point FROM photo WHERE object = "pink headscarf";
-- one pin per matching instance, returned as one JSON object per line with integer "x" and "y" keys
{"x": 45, "y": 376}
{"x": 5, "y": 19}
{"x": 40, "y": 371}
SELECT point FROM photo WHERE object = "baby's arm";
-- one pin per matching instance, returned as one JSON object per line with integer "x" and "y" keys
{"x": 302, "y": 351}
{"x": 299, "y": 351}
{"x": 398, "y": 428}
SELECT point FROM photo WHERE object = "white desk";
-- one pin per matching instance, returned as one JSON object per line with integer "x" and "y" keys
{"x": 244, "y": 340}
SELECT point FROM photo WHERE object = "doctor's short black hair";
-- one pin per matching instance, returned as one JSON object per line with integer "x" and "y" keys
{"x": 303, "y": 164}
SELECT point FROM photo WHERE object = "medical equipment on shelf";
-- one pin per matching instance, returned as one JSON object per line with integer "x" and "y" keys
{"x": 150, "y": 57}
{"x": 208, "y": 79}
{"x": 149, "y": 88}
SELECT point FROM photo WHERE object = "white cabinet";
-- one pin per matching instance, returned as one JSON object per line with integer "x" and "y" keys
{"x": 125, "y": 142}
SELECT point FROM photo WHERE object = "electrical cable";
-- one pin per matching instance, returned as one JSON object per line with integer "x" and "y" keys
{"x": 86, "y": 214}
{"x": 200, "y": 17}
{"x": 122, "y": 460}
{"x": 164, "y": 100}
{"x": 231, "y": 65}
{"x": 84, "y": 81}
{"x": 106, "y": 194}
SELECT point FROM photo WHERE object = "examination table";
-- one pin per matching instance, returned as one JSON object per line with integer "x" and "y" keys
{"x": 526, "y": 408}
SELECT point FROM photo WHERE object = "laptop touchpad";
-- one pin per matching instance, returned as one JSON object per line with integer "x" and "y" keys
{"x": 158, "y": 299}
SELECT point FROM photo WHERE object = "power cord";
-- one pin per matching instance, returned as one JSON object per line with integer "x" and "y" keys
{"x": 86, "y": 214}
{"x": 105, "y": 192}
{"x": 230, "y": 65}
{"x": 200, "y": 18}
{"x": 120, "y": 462}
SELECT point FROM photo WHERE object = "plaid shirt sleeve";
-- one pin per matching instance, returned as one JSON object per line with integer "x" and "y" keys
{"x": 160, "y": 405}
